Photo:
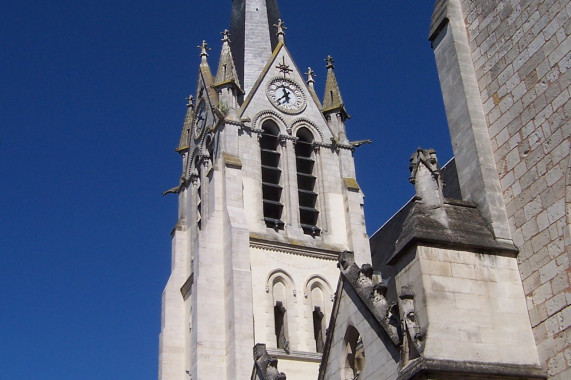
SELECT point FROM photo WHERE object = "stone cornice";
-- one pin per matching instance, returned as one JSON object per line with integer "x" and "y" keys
{"x": 460, "y": 369}
{"x": 295, "y": 355}
{"x": 301, "y": 250}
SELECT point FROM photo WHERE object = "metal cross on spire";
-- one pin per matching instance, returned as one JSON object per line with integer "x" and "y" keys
{"x": 283, "y": 67}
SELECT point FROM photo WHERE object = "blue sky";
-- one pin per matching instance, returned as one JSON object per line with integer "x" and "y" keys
{"x": 91, "y": 108}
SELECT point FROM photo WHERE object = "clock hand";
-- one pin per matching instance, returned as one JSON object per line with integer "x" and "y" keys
{"x": 285, "y": 97}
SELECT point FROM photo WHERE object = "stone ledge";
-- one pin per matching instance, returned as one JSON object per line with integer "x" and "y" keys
{"x": 295, "y": 355}
{"x": 351, "y": 184}
{"x": 232, "y": 161}
{"x": 460, "y": 369}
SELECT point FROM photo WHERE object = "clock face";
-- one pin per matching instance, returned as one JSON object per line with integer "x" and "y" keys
{"x": 199, "y": 119}
{"x": 286, "y": 95}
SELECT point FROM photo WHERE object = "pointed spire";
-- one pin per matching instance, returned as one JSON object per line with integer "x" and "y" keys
{"x": 310, "y": 75}
{"x": 226, "y": 82}
{"x": 184, "y": 141}
{"x": 226, "y": 69}
{"x": 205, "y": 80}
{"x": 332, "y": 100}
{"x": 281, "y": 30}
{"x": 253, "y": 42}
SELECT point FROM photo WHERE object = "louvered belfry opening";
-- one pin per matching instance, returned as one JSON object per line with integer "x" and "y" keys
{"x": 198, "y": 194}
{"x": 306, "y": 182}
{"x": 271, "y": 174}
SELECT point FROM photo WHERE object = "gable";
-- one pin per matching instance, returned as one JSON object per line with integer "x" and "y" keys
{"x": 350, "y": 314}
{"x": 268, "y": 95}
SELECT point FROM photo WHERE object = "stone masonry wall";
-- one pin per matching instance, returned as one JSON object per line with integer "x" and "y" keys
{"x": 521, "y": 54}
{"x": 380, "y": 362}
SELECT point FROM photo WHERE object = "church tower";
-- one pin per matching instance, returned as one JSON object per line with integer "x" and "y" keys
{"x": 268, "y": 199}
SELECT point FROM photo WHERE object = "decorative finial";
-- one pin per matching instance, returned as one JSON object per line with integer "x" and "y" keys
{"x": 190, "y": 101}
{"x": 204, "y": 49}
{"x": 330, "y": 62}
{"x": 281, "y": 30}
{"x": 226, "y": 36}
{"x": 310, "y": 75}
{"x": 428, "y": 158}
{"x": 427, "y": 180}
{"x": 284, "y": 67}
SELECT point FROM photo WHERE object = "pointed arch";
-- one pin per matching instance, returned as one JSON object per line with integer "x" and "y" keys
{"x": 353, "y": 354}
{"x": 280, "y": 275}
{"x": 303, "y": 122}
{"x": 318, "y": 295}
{"x": 281, "y": 286}
{"x": 319, "y": 281}
{"x": 261, "y": 117}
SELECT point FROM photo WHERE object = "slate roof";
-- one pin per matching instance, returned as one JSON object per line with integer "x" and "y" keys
{"x": 465, "y": 227}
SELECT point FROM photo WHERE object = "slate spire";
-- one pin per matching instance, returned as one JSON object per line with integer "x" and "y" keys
{"x": 205, "y": 72}
{"x": 253, "y": 37}
{"x": 333, "y": 106}
{"x": 226, "y": 68}
{"x": 332, "y": 100}
{"x": 184, "y": 141}
{"x": 227, "y": 83}
{"x": 310, "y": 75}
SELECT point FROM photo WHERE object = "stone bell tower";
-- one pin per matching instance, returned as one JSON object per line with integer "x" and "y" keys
{"x": 268, "y": 199}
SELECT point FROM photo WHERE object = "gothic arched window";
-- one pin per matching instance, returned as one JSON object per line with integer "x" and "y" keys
{"x": 281, "y": 289}
{"x": 280, "y": 316}
{"x": 306, "y": 182}
{"x": 318, "y": 292}
{"x": 271, "y": 175}
{"x": 318, "y": 318}
{"x": 354, "y": 354}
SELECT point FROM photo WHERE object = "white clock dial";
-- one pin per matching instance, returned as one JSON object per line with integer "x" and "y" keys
{"x": 286, "y": 95}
